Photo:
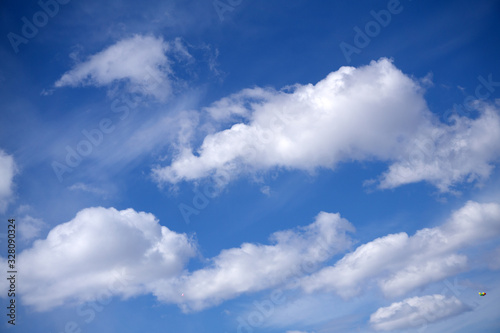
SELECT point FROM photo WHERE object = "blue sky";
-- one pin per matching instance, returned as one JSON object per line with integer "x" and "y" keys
{"x": 235, "y": 166}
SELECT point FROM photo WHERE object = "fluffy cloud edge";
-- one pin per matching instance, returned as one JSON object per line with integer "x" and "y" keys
{"x": 100, "y": 247}
{"x": 106, "y": 252}
{"x": 399, "y": 263}
{"x": 373, "y": 112}
{"x": 416, "y": 312}
{"x": 140, "y": 61}
{"x": 144, "y": 257}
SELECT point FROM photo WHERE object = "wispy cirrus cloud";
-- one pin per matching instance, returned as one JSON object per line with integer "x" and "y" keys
{"x": 87, "y": 188}
{"x": 141, "y": 62}
{"x": 8, "y": 170}
{"x": 30, "y": 227}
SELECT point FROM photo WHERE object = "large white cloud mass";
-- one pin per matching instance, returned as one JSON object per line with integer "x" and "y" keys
{"x": 97, "y": 251}
{"x": 105, "y": 252}
{"x": 416, "y": 312}
{"x": 8, "y": 170}
{"x": 374, "y": 112}
{"x": 399, "y": 263}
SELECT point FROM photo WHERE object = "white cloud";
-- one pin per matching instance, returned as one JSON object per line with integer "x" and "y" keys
{"x": 8, "y": 170}
{"x": 104, "y": 252}
{"x": 87, "y": 188}
{"x": 351, "y": 114}
{"x": 416, "y": 312}
{"x": 22, "y": 209}
{"x": 446, "y": 155}
{"x": 99, "y": 249}
{"x": 265, "y": 190}
{"x": 254, "y": 267}
{"x": 140, "y": 61}
{"x": 399, "y": 263}
{"x": 30, "y": 227}
{"x": 373, "y": 112}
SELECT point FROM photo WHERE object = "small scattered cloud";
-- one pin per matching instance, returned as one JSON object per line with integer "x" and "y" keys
{"x": 140, "y": 62}
{"x": 416, "y": 312}
{"x": 265, "y": 190}
{"x": 46, "y": 92}
{"x": 8, "y": 170}
{"x": 30, "y": 227}
{"x": 22, "y": 209}
{"x": 87, "y": 188}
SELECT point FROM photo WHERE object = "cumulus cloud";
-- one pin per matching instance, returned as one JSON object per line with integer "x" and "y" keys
{"x": 445, "y": 155}
{"x": 7, "y": 172}
{"x": 253, "y": 267}
{"x": 100, "y": 248}
{"x": 140, "y": 62}
{"x": 399, "y": 263}
{"x": 374, "y": 112}
{"x": 351, "y": 114}
{"x": 416, "y": 312}
{"x": 30, "y": 227}
{"x": 125, "y": 253}
{"x": 105, "y": 252}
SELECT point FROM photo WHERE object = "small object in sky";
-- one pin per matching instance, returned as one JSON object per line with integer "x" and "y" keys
{"x": 482, "y": 294}
{"x": 182, "y": 295}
